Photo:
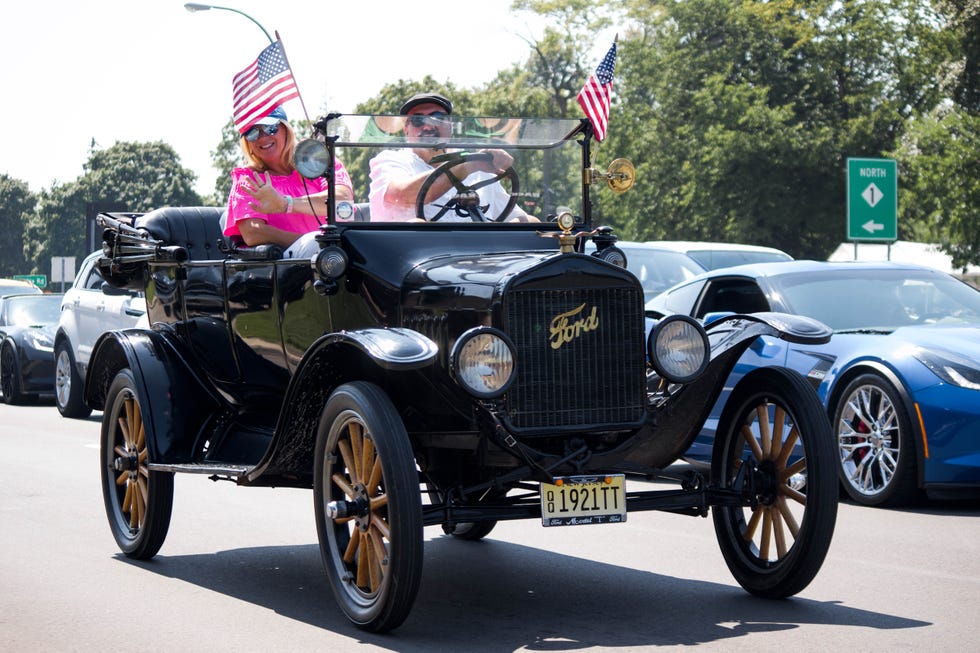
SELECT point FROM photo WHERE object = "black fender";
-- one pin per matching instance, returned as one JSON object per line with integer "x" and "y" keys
{"x": 333, "y": 359}
{"x": 176, "y": 404}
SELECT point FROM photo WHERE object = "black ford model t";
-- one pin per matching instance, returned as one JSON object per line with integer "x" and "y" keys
{"x": 455, "y": 373}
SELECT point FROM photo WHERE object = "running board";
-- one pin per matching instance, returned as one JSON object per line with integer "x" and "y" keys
{"x": 201, "y": 468}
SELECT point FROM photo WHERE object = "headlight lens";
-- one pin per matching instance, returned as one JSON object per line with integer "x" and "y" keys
{"x": 678, "y": 349}
{"x": 951, "y": 368}
{"x": 40, "y": 340}
{"x": 483, "y": 362}
{"x": 331, "y": 262}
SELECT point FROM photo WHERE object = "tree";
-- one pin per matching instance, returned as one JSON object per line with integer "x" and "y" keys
{"x": 136, "y": 177}
{"x": 16, "y": 201}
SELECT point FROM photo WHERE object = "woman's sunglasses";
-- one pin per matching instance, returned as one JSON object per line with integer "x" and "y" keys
{"x": 253, "y": 134}
{"x": 417, "y": 120}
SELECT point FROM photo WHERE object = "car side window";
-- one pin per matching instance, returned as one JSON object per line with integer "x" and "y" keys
{"x": 681, "y": 299}
{"x": 94, "y": 280}
{"x": 732, "y": 295}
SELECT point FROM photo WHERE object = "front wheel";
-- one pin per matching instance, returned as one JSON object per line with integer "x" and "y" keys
{"x": 774, "y": 448}
{"x": 368, "y": 507}
{"x": 68, "y": 383}
{"x": 874, "y": 442}
{"x": 10, "y": 383}
{"x": 138, "y": 502}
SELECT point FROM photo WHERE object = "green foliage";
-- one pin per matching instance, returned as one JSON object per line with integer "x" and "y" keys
{"x": 940, "y": 178}
{"x": 16, "y": 201}
{"x": 135, "y": 177}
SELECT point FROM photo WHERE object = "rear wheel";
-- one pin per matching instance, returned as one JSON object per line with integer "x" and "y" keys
{"x": 68, "y": 384}
{"x": 874, "y": 443}
{"x": 368, "y": 507}
{"x": 10, "y": 382}
{"x": 138, "y": 502}
{"x": 774, "y": 447}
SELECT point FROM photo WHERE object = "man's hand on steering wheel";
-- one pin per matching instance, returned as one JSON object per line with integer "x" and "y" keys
{"x": 457, "y": 166}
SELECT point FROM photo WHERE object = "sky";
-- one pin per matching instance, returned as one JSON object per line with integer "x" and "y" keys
{"x": 107, "y": 71}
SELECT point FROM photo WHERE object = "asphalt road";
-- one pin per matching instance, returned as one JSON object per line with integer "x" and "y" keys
{"x": 241, "y": 570}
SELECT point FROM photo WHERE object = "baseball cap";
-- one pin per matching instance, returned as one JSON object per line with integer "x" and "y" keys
{"x": 277, "y": 115}
{"x": 427, "y": 98}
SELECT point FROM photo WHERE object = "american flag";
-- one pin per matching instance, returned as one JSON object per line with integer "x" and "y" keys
{"x": 594, "y": 96}
{"x": 266, "y": 83}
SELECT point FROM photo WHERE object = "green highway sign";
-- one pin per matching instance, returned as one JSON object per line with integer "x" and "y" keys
{"x": 872, "y": 199}
{"x": 39, "y": 280}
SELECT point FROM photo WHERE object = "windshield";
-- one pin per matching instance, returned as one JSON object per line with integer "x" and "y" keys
{"x": 34, "y": 310}
{"x": 712, "y": 259}
{"x": 659, "y": 269}
{"x": 547, "y": 156}
{"x": 879, "y": 299}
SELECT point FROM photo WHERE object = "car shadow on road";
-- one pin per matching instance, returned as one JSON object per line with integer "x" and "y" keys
{"x": 498, "y": 596}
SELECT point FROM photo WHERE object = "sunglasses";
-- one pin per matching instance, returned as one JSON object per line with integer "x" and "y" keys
{"x": 253, "y": 134}
{"x": 417, "y": 120}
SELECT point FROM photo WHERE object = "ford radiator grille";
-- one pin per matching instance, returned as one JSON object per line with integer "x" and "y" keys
{"x": 580, "y": 356}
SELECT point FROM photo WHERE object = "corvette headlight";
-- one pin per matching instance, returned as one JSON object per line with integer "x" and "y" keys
{"x": 951, "y": 368}
{"x": 40, "y": 340}
{"x": 483, "y": 362}
{"x": 678, "y": 348}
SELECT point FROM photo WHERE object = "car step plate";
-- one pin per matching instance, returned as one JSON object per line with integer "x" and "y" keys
{"x": 574, "y": 500}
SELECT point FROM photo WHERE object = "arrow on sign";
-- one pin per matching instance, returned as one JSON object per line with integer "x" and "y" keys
{"x": 871, "y": 226}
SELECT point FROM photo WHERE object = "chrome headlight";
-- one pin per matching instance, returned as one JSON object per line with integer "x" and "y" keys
{"x": 951, "y": 368}
{"x": 483, "y": 362}
{"x": 678, "y": 348}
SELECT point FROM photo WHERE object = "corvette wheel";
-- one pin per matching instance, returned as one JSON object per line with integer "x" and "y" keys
{"x": 368, "y": 507}
{"x": 68, "y": 384}
{"x": 138, "y": 502}
{"x": 774, "y": 447}
{"x": 10, "y": 383}
{"x": 874, "y": 443}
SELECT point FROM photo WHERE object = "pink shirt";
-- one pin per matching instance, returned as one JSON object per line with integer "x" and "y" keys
{"x": 294, "y": 185}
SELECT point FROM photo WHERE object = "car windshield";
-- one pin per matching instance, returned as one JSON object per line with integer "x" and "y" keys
{"x": 852, "y": 299}
{"x": 712, "y": 259}
{"x": 547, "y": 152}
{"x": 659, "y": 269}
{"x": 33, "y": 310}
{"x": 7, "y": 288}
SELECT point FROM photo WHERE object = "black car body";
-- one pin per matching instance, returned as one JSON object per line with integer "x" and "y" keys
{"x": 445, "y": 373}
{"x": 27, "y": 325}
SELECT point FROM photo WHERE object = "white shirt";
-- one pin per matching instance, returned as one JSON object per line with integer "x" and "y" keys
{"x": 403, "y": 163}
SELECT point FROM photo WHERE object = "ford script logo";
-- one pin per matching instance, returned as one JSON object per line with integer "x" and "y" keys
{"x": 568, "y": 326}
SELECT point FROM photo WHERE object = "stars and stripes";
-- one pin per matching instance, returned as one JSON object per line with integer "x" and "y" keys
{"x": 266, "y": 83}
{"x": 595, "y": 95}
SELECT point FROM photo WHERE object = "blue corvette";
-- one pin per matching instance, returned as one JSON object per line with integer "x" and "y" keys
{"x": 900, "y": 378}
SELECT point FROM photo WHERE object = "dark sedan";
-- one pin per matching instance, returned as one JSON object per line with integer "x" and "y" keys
{"x": 27, "y": 326}
{"x": 900, "y": 378}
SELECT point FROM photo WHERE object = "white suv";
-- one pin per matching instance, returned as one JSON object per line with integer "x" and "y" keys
{"x": 88, "y": 310}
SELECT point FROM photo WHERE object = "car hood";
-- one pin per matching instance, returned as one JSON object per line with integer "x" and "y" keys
{"x": 963, "y": 340}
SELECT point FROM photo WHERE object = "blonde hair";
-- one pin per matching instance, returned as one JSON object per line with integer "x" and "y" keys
{"x": 286, "y": 158}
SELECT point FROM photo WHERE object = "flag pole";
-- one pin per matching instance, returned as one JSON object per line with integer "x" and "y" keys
{"x": 282, "y": 47}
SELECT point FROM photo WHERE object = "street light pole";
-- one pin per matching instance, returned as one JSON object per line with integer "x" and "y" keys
{"x": 193, "y": 7}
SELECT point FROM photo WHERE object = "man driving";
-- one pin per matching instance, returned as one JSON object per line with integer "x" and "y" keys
{"x": 397, "y": 175}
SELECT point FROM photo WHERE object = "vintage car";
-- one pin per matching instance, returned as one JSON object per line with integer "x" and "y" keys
{"x": 447, "y": 373}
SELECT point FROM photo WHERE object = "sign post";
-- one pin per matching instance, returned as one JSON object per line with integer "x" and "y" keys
{"x": 63, "y": 270}
{"x": 872, "y": 200}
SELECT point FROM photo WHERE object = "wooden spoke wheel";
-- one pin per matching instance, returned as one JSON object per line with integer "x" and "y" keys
{"x": 775, "y": 448}
{"x": 138, "y": 501}
{"x": 368, "y": 507}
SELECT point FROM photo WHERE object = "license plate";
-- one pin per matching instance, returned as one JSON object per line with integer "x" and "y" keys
{"x": 573, "y": 500}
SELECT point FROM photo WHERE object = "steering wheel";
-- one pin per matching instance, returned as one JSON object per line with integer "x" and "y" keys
{"x": 466, "y": 202}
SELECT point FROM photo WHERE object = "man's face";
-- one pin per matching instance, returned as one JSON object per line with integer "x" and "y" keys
{"x": 428, "y": 121}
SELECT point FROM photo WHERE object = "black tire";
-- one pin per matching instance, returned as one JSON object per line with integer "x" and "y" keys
{"x": 68, "y": 383}
{"x": 138, "y": 502}
{"x": 793, "y": 490}
{"x": 10, "y": 381}
{"x": 876, "y": 453}
{"x": 364, "y": 463}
